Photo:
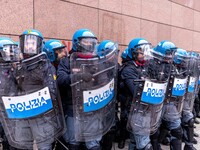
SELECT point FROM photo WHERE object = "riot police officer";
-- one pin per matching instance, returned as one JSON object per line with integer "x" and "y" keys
{"x": 8, "y": 53}
{"x": 124, "y": 97}
{"x": 174, "y": 96}
{"x": 146, "y": 76}
{"x": 187, "y": 116}
{"x": 84, "y": 41}
{"x": 55, "y": 51}
{"x": 103, "y": 50}
{"x": 36, "y": 118}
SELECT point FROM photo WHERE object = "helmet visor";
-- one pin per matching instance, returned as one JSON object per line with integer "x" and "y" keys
{"x": 144, "y": 51}
{"x": 30, "y": 44}
{"x": 11, "y": 53}
{"x": 88, "y": 44}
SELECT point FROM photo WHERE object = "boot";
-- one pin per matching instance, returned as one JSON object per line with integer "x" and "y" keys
{"x": 154, "y": 140}
{"x": 176, "y": 144}
{"x": 196, "y": 121}
{"x": 196, "y": 134}
{"x": 189, "y": 147}
{"x": 166, "y": 141}
{"x": 194, "y": 141}
{"x": 198, "y": 115}
{"x": 121, "y": 144}
{"x": 156, "y": 145}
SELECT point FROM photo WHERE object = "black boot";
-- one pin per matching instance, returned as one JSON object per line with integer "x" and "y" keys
{"x": 123, "y": 133}
{"x": 163, "y": 133}
{"x": 154, "y": 140}
{"x": 166, "y": 141}
{"x": 107, "y": 141}
{"x": 196, "y": 121}
{"x": 189, "y": 137}
{"x": 189, "y": 147}
{"x": 198, "y": 115}
{"x": 175, "y": 144}
{"x": 121, "y": 144}
{"x": 196, "y": 134}
{"x": 189, "y": 133}
{"x": 194, "y": 141}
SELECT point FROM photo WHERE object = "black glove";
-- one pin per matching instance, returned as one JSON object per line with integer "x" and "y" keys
{"x": 86, "y": 77}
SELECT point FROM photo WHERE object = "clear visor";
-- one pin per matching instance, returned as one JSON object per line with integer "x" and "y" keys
{"x": 144, "y": 52}
{"x": 88, "y": 44}
{"x": 144, "y": 48}
{"x": 31, "y": 44}
{"x": 108, "y": 49}
{"x": 11, "y": 53}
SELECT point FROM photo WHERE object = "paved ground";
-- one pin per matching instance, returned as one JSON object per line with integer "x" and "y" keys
{"x": 197, "y": 146}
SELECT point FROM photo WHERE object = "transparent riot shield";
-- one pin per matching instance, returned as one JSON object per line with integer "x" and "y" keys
{"x": 94, "y": 98}
{"x": 176, "y": 87}
{"x": 191, "y": 84}
{"x": 146, "y": 109}
{"x": 31, "y": 110}
{"x": 198, "y": 66}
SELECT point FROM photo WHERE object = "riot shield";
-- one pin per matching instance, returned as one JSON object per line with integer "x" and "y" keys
{"x": 191, "y": 84}
{"x": 31, "y": 109}
{"x": 94, "y": 99}
{"x": 146, "y": 109}
{"x": 176, "y": 87}
{"x": 198, "y": 66}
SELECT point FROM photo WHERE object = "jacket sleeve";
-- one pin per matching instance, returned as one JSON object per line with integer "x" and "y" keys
{"x": 63, "y": 73}
{"x": 129, "y": 75}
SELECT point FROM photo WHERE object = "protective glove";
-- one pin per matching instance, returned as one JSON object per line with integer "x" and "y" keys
{"x": 85, "y": 76}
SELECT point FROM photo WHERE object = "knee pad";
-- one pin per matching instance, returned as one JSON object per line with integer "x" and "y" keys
{"x": 178, "y": 132}
{"x": 191, "y": 122}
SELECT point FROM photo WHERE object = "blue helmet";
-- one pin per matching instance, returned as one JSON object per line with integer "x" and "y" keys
{"x": 193, "y": 55}
{"x": 9, "y": 49}
{"x": 105, "y": 47}
{"x": 50, "y": 47}
{"x": 31, "y": 42}
{"x": 124, "y": 53}
{"x": 165, "y": 47}
{"x": 6, "y": 41}
{"x": 84, "y": 36}
{"x": 180, "y": 56}
{"x": 136, "y": 44}
{"x": 33, "y": 32}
